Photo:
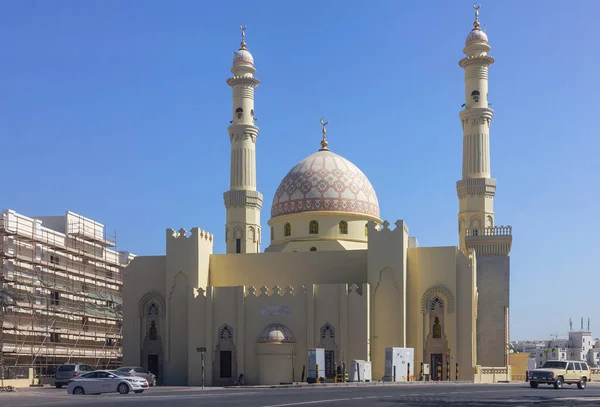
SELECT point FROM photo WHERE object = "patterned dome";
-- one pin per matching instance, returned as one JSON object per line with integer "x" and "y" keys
{"x": 324, "y": 181}
{"x": 476, "y": 35}
{"x": 276, "y": 333}
{"x": 242, "y": 56}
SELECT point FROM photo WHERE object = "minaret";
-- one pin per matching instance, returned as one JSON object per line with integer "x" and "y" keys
{"x": 476, "y": 190}
{"x": 243, "y": 202}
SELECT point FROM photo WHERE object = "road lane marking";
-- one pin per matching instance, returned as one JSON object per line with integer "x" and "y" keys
{"x": 303, "y": 403}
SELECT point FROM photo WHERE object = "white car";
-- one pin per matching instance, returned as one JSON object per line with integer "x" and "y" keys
{"x": 106, "y": 381}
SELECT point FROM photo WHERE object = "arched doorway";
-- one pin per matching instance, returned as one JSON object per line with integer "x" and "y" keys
{"x": 327, "y": 342}
{"x": 151, "y": 310}
{"x": 436, "y": 344}
{"x": 225, "y": 364}
{"x": 276, "y": 352}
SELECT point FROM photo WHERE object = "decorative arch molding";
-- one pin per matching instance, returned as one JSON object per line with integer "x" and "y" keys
{"x": 225, "y": 333}
{"x": 441, "y": 290}
{"x": 327, "y": 332}
{"x": 154, "y": 296}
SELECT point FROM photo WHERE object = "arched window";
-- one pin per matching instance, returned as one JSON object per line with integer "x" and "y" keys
{"x": 313, "y": 249}
{"x": 287, "y": 229}
{"x": 226, "y": 332}
{"x": 343, "y": 227}
{"x": 475, "y": 96}
{"x": 366, "y": 229}
{"x": 239, "y": 111}
{"x": 153, "y": 309}
{"x": 314, "y": 227}
{"x": 153, "y": 331}
{"x": 436, "y": 303}
{"x": 327, "y": 332}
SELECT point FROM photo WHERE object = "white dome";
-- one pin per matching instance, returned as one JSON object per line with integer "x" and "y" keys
{"x": 242, "y": 56}
{"x": 476, "y": 34}
{"x": 276, "y": 333}
{"x": 324, "y": 182}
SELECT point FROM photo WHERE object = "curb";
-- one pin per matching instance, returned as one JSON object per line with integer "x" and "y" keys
{"x": 352, "y": 384}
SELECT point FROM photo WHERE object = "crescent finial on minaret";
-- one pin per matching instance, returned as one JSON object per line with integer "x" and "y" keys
{"x": 476, "y": 7}
{"x": 324, "y": 142}
{"x": 243, "y": 43}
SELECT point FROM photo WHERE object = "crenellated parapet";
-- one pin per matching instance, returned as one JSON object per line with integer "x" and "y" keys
{"x": 188, "y": 252}
{"x": 400, "y": 226}
{"x": 199, "y": 292}
{"x": 194, "y": 232}
{"x": 355, "y": 289}
{"x": 274, "y": 291}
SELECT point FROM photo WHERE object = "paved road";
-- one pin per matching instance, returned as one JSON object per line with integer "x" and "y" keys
{"x": 448, "y": 395}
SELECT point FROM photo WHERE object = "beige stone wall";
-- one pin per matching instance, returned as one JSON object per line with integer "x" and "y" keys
{"x": 447, "y": 273}
{"x": 387, "y": 264}
{"x": 493, "y": 284}
{"x": 284, "y": 269}
{"x": 144, "y": 275}
{"x": 370, "y": 299}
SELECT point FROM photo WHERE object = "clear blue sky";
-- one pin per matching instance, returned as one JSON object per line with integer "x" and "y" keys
{"x": 118, "y": 110}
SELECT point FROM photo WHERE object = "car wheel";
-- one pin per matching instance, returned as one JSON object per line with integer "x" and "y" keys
{"x": 123, "y": 388}
{"x": 533, "y": 384}
{"x": 558, "y": 383}
{"x": 58, "y": 386}
{"x": 581, "y": 384}
{"x": 78, "y": 390}
{"x": 138, "y": 391}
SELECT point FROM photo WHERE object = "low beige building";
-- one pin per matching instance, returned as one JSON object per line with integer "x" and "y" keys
{"x": 334, "y": 276}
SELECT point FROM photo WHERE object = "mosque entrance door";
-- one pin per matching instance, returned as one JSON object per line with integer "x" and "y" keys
{"x": 153, "y": 364}
{"x": 436, "y": 368}
{"x": 226, "y": 368}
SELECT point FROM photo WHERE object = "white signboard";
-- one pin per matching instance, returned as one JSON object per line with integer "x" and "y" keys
{"x": 275, "y": 311}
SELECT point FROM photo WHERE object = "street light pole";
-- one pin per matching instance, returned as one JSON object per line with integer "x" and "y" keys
{"x": 202, "y": 353}
{"x": 202, "y": 350}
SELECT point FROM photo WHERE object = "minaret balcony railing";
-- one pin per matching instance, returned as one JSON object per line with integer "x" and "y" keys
{"x": 489, "y": 241}
{"x": 490, "y": 231}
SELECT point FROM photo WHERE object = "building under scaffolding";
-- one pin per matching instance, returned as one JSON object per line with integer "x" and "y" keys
{"x": 60, "y": 294}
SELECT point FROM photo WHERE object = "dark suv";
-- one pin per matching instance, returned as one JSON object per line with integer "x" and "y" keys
{"x": 66, "y": 372}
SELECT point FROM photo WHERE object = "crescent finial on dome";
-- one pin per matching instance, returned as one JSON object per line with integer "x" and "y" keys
{"x": 324, "y": 142}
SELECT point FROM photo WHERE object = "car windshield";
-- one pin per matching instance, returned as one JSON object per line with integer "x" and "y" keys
{"x": 66, "y": 368}
{"x": 116, "y": 372}
{"x": 555, "y": 365}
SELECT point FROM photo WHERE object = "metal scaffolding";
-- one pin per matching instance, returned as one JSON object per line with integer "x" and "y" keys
{"x": 60, "y": 294}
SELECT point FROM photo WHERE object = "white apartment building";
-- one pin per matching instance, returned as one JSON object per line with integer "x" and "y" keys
{"x": 579, "y": 346}
{"x": 60, "y": 294}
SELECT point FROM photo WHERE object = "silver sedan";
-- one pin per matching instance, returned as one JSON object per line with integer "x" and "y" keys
{"x": 106, "y": 381}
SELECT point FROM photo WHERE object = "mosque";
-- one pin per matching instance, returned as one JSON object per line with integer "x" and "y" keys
{"x": 334, "y": 275}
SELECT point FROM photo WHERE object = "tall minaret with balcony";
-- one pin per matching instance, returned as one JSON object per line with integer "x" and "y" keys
{"x": 243, "y": 202}
{"x": 476, "y": 191}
